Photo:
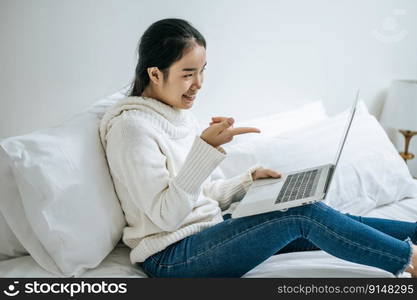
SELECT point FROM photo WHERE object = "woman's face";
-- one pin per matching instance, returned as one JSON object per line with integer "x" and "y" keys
{"x": 185, "y": 79}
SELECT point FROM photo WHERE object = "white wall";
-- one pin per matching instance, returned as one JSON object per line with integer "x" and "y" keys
{"x": 57, "y": 57}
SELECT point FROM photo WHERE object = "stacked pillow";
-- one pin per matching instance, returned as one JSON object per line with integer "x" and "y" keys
{"x": 370, "y": 172}
{"x": 58, "y": 202}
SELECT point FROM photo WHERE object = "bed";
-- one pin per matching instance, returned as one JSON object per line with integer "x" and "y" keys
{"x": 308, "y": 264}
{"x": 54, "y": 179}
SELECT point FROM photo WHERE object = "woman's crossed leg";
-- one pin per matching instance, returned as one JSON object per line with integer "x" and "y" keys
{"x": 235, "y": 246}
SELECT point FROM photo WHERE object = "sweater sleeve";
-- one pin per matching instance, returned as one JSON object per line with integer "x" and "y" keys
{"x": 140, "y": 166}
{"x": 229, "y": 190}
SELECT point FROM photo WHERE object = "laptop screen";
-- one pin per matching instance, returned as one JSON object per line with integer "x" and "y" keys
{"x": 342, "y": 143}
{"x": 349, "y": 122}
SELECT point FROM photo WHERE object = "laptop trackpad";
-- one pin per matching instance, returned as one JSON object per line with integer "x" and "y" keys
{"x": 264, "y": 192}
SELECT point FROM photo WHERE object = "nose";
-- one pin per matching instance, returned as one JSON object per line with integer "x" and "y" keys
{"x": 198, "y": 81}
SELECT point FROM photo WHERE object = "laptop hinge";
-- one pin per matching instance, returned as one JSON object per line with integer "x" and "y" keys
{"x": 329, "y": 177}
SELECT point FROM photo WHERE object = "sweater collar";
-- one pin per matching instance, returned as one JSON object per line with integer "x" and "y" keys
{"x": 173, "y": 115}
{"x": 175, "y": 122}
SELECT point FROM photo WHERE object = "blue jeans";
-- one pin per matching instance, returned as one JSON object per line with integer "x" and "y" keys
{"x": 235, "y": 246}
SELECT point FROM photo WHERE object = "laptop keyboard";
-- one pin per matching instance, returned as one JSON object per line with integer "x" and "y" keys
{"x": 299, "y": 186}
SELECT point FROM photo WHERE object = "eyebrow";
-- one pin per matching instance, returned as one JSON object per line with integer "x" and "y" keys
{"x": 193, "y": 69}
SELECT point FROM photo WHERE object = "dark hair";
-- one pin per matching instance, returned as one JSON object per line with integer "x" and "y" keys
{"x": 162, "y": 44}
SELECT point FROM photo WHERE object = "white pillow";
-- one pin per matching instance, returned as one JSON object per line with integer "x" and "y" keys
{"x": 274, "y": 124}
{"x": 241, "y": 147}
{"x": 68, "y": 216}
{"x": 10, "y": 247}
{"x": 370, "y": 171}
{"x": 270, "y": 126}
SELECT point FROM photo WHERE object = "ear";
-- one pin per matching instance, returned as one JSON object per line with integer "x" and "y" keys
{"x": 155, "y": 75}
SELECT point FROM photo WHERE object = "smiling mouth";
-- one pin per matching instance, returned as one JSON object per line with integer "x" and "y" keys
{"x": 189, "y": 98}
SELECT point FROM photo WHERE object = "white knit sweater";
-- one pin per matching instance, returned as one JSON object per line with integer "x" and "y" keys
{"x": 163, "y": 174}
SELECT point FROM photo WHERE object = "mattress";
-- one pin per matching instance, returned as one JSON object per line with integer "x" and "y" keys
{"x": 310, "y": 264}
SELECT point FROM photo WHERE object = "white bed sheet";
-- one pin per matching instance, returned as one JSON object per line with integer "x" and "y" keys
{"x": 297, "y": 264}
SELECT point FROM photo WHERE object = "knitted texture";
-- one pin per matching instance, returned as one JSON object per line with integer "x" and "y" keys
{"x": 166, "y": 177}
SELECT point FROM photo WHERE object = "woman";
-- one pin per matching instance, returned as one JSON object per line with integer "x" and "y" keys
{"x": 164, "y": 170}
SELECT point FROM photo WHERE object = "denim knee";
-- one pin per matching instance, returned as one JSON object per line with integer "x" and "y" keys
{"x": 312, "y": 208}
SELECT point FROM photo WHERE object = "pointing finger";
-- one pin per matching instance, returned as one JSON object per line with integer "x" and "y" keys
{"x": 242, "y": 130}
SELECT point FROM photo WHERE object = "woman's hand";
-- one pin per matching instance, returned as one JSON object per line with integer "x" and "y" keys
{"x": 221, "y": 131}
{"x": 265, "y": 173}
{"x": 260, "y": 172}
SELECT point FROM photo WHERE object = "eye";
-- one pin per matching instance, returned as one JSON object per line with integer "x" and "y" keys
{"x": 189, "y": 75}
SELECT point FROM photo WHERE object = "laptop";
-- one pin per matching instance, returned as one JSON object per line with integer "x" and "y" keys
{"x": 293, "y": 189}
